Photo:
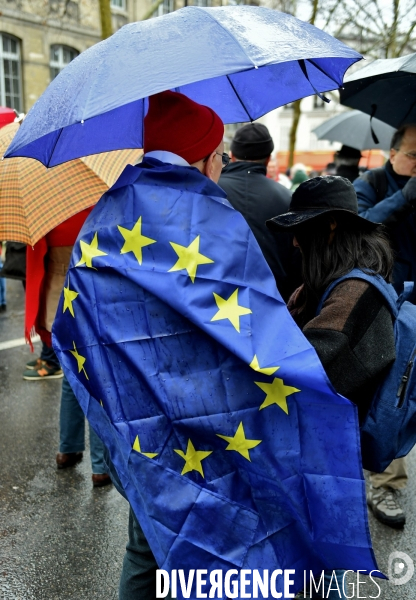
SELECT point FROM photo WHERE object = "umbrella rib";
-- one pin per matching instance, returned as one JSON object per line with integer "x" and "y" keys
{"x": 322, "y": 71}
{"x": 238, "y": 96}
{"x": 53, "y": 149}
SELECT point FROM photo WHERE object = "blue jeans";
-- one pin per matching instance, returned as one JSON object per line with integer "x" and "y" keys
{"x": 48, "y": 354}
{"x": 138, "y": 577}
{"x": 72, "y": 430}
{"x": 2, "y": 288}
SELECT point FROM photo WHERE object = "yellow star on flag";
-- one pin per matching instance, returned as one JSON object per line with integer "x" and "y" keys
{"x": 80, "y": 360}
{"x": 276, "y": 393}
{"x": 134, "y": 241}
{"x": 266, "y": 371}
{"x": 136, "y": 446}
{"x": 240, "y": 443}
{"x": 230, "y": 309}
{"x": 69, "y": 297}
{"x": 189, "y": 258}
{"x": 193, "y": 459}
{"x": 89, "y": 251}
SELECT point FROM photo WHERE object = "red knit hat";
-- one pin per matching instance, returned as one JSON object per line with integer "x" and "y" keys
{"x": 177, "y": 124}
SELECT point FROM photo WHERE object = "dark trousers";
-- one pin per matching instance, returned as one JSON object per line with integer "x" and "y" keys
{"x": 138, "y": 577}
{"x": 48, "y": 354}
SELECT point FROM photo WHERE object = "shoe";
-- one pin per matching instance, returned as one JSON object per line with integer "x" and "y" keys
{"x": 68, "y": 460}
{"x": 44, "y": 372}
{"x": 101, "y": 479}
{"x": 3, "y": 308}
{"x": 384, "y": 503}
{"x": 34, "y": 364}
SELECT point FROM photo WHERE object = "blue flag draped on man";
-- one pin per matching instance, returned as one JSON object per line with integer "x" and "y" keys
{"x": 231, "y": 445}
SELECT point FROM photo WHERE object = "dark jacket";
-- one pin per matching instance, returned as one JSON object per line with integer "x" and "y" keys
{"x": 400, "y": 218}
{"x": 353, "y": 337}
{"x": 348, "y": 171}
{"x": 258, "y": 198}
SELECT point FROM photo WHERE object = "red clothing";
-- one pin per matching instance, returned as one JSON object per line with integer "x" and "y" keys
{"x": 64, "y": 234}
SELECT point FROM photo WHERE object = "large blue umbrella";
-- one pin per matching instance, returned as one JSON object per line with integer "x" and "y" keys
{"x": 242, "y": 61}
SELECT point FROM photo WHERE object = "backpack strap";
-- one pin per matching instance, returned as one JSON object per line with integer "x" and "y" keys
{"x": 377, "y": 178}
{"x": 386, "y": 289}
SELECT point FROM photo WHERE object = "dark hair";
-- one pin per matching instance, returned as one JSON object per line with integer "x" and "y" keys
{"x": 396, "y": 140}
{"x": 324, "y": 261}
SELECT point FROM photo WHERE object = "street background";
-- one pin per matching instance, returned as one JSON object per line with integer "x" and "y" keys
{"x": 61, "y": 539}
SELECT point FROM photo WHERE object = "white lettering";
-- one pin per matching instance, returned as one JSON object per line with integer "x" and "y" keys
{"x": 244, "y": 583}
{"x": 231, "y": 593}
{"x": 359, "y": 582}
{"x": 312, "y": 582}
{"x": 263, "y": 584}
{"x": 173, "y": 590}
{"x": 159, "y": 574}
{"x": 273, "y": 578}
{"x": 345, "y": 586}
{"x": 215, "y": 579}
{"x": 379, "y": 589}
{"x": 288, "y": 582}
{"x": 186, "y": 589}
{"x": 200, "y": 582}
{"x": 333, "y": 578}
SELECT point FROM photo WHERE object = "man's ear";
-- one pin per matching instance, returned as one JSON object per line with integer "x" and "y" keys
{"x": 232, "y": 158}
{"x": 393, "y": 153}
{"x": 209, "y": 166}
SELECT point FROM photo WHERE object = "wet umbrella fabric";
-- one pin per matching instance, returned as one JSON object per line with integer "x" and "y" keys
{"x": 242, "y": 61}
{"x": 385, "y": 89}
{"x": 34, "y": 200}
{"x": 353, "y": 128}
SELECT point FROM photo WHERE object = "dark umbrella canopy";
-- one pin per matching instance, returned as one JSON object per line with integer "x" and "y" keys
{"x": 242, "y": 61}
{"x": 385, "y": 89}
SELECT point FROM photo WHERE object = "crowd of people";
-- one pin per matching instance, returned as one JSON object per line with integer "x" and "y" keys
{"x": 312, "y": 228}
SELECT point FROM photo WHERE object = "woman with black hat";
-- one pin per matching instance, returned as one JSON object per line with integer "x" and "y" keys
{"x": 353, "y": 332}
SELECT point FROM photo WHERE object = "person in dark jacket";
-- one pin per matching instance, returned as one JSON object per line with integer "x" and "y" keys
{"x": 258, "y": 198}
{"x": 353, "y": 333}
{"x": 346, "y": 162}
{"x": 388, "y": 195}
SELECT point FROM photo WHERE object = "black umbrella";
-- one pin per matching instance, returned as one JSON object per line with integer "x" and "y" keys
{"x": 385, "y": 89}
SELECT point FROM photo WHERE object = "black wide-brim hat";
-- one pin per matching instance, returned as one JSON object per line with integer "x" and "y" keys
{"x": 318, "y": 196}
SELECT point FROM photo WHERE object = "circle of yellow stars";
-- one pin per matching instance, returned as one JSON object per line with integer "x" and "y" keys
{"x": 189, "y": 259}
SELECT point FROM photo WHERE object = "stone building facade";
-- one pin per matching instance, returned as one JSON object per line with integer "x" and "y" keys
{"x": 39, "y": 37}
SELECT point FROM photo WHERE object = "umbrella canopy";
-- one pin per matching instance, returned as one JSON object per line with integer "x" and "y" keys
{"x": 385, "y": 89}
{"x": 7, "y": 115}
{"x": 353, "y": 128}
{"x": 34, "y": 200}
{"x": 242, "y": 61}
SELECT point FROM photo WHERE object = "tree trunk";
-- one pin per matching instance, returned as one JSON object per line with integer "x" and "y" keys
{"x": 105, "y": 15}
{"x": 293, "y": 132}
{"x": 296, "y": 105}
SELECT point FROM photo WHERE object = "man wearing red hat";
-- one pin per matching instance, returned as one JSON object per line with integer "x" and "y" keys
{"x": 177, "y": 132}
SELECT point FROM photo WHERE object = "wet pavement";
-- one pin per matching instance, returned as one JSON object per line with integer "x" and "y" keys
{"x": 61, "y": 539}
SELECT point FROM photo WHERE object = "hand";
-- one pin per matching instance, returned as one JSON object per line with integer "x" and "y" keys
{"x": 409, "y": 190}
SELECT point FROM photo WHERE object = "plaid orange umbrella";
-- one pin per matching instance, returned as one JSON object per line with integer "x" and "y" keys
{"x": 34, "y": 199}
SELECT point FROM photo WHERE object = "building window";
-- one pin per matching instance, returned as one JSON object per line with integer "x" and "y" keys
{"x": 10, "y": 72}
{"x": 119, "y": 4}
{"x": 60, "y": 57}
{"x": 165, "y": 7}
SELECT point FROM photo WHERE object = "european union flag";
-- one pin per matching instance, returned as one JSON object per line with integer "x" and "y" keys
{"x": 232, "y": 446}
